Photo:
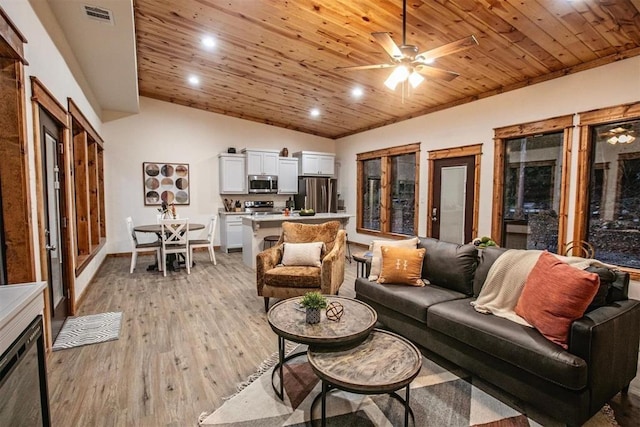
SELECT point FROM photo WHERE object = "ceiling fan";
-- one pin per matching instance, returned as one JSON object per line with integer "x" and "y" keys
{"x": 408, "y": 63}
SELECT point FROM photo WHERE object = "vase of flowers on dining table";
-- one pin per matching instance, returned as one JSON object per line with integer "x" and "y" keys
{"x": 168, "y": 211}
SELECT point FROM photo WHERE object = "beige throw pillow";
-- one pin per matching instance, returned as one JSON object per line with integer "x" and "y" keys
{"x": 376, "y": 257}
{"x": 302, "y": 254}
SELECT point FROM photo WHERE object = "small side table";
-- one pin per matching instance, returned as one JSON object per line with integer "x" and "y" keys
{"x": 383, "y": 363}
{"x": 287, "y": 320}
{"x": 362, "y": 259}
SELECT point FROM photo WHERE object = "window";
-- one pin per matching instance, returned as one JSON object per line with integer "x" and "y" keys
{"x": 609, "y": 163}
{"x": 387, "y": 186}
{"x": 528, "y": 181}
{"x": 88, "y": 167}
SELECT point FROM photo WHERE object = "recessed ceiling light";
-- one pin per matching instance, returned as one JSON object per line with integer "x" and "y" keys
{"x": 208, "y": 42}
{"x": 193, "y": 80}
{"x": 314, "y": 112}
{"x": 357, "y": 92}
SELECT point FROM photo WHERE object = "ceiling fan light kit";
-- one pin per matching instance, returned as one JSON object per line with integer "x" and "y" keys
{"x": 410, "y": 65}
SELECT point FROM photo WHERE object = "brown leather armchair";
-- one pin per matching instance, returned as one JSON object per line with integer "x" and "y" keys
{"x": 278, "y": 281}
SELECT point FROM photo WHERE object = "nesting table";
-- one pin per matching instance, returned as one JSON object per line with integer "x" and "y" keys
{"x": 382, "y": 364}
{"x": 348, "y": 354}
{"x": 287, "y": 320}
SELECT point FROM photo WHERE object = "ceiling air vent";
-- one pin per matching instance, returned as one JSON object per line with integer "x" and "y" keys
{"x": 98, "y": 13}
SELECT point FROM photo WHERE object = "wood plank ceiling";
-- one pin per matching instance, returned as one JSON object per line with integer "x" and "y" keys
{"x": 275, "y": 60}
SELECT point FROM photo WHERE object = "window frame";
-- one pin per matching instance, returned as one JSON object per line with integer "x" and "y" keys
{"x": 385, "y": 156}
{"x": 501, "y": 135}
{"x": 587, "y": 120}
{"x": 87, "y": 151}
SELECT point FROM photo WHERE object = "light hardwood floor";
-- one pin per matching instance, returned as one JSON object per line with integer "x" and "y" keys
{"x": 185, "y": 342}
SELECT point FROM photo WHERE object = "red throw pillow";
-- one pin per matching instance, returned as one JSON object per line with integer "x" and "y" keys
{"x": 554, "y": 295}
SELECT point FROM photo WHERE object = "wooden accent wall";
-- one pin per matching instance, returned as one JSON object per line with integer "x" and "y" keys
{"x": 14, "y": 167}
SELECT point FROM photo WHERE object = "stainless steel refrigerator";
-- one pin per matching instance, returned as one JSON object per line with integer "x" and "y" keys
{"x": 319, "y": 194}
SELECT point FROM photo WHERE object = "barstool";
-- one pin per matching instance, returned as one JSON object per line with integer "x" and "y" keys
{"x": 269, "y": 240}
{"x": 348, "y": 256}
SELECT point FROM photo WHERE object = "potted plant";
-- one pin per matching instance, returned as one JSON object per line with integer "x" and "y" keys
{"x": 313, "y": 302}
{"x": 484, "y": 242}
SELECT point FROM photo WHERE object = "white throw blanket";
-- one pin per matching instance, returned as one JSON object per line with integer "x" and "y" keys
{"x": 506, "y": 279}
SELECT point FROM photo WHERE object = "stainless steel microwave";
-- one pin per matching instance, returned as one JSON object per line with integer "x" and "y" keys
{"x": 263, "y": 184}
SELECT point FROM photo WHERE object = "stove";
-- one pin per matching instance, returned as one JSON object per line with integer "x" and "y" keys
{"x": 257, "y": 207}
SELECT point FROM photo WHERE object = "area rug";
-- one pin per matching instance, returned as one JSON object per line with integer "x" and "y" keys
{"x": 439, "y": 397}
{"x": 91, "y": 329}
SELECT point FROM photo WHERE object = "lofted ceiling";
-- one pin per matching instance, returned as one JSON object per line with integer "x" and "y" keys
{"x": 274, "y": 60}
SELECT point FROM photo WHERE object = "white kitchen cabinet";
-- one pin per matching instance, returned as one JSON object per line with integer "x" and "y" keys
{"x": 233, "y": 178}
{"x": 287, "y": 176}
{"x": 262, "y": 162}
{"x": 314, "y": 163}
{"x": 230, "y": 231}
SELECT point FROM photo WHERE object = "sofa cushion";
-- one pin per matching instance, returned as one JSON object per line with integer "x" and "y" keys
{"x": 554, "y": 295}
{"x": 516, "y": 344}
{"x": 293, "y": 277}
{"x": 401, "y": 266}
{"x": 449, "y": 265}
{"x": 408, "y": 300}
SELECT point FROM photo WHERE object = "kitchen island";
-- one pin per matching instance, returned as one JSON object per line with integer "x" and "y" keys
{"x": 256, "y": 227}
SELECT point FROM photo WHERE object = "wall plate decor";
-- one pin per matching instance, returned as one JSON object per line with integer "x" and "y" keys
{"x": 166, "y": 182}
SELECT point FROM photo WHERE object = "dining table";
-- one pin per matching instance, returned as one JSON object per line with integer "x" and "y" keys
{"x": 157, "y": 229}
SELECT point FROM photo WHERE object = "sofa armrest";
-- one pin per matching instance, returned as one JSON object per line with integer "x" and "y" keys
{"x": 265, "y": 261}
{"x": 332, "y": 269}
{"x": 607, "y": 338}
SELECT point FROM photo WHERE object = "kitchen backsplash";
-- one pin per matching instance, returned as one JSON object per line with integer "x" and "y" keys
{"x": 279, "y": 200}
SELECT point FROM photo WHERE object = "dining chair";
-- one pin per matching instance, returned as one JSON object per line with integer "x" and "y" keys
{"x": 140, "y": 247}
{"x": 206, "y": 243}
{"x": 175, "y": 240}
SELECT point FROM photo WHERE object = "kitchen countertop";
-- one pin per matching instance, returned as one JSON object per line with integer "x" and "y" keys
{"x": 223, "y": 212}
{"x": 275, "y": 220}
{"x": 296, "y": 217}
{"x": 19, "y": 305}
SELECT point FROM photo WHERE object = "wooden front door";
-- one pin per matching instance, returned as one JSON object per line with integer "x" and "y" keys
{"x": 452, "y": 206}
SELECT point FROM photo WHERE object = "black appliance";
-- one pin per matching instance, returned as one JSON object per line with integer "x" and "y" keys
{"x": 24, "y": 397}
{"x": 263, "y": 184}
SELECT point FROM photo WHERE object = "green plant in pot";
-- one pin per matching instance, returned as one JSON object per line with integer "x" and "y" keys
{"x": 313, "y": 302}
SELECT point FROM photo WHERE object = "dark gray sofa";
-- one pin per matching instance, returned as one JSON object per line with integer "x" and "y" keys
{"x": 569, "y": 385}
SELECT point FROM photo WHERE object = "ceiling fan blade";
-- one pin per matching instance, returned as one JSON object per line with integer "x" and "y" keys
{"x": 449, "y": 48}
{"x": 387, "y": 43}
{"x": 436, "y": 73}
{"x": 365, "y": 67}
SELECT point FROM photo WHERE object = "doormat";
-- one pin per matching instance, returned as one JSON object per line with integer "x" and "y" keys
{"x": 91, "y": 329}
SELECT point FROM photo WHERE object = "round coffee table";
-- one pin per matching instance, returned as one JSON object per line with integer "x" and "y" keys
{"x": 287, "y": 319}
{"x": 383, "y": 363}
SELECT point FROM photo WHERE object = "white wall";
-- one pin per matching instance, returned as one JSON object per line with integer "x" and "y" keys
{"x": 473, "y": 123}
{"x": 164, "y": 132}
{"x": 48, "y": 65}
